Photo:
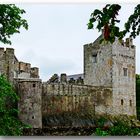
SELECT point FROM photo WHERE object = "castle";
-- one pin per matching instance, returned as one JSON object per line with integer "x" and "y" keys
{"x": 107, "y": 87}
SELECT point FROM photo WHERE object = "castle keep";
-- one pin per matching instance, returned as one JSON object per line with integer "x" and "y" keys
{"x": 106, "y": 87}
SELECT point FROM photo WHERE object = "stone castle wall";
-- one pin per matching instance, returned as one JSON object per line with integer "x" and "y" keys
{"x": 123, "y": 77}
{"x": 115, "y": 67}
{"x": 97, "y": 64}
{"x": 30, "y": 101}
{"x": 7, "y": 63}
{"x": 57, "y": 98}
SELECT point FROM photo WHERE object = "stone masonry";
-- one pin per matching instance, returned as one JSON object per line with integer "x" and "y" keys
{"x": 113, "y": 65}
{"x": 107, "y": 87}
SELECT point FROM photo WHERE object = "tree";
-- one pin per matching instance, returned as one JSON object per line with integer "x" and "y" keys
{"x": 106, "y": 21}
{"x": 10, "y": 21}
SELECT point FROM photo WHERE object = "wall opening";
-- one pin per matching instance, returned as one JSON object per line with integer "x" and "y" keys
{"x": 121, "y": 101}
{"x": 94, "y": 58}
{"x": 34, "y": 85}
{"x": 33, "y": 117}
{"x": 130, "y": 102}
{"x": 125, "y": 71}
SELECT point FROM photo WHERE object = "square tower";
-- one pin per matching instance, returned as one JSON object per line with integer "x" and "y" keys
{"x": 98, "y": 64}
{"x": 113, "y": 65}
{"x": 123, "y": 77}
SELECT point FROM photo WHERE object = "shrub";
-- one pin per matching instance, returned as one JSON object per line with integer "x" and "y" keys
{"x": 100, "y": 132}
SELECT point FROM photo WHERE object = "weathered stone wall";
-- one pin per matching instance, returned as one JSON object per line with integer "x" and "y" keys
{"x": 34, "y": 72}
{"x": 58, "y": 98}
{"x": 30, "y": 102}
{"x": 97, "y": 64}
{"x": 2, "y": 61}
{"x": 7, "y": 63}
{"x": 24, "y": 67}
{"x": 16, "y": 67}
{"x": 123, "y": 83}
{"x": 115, "y": 67}
{"x": 12, "y": 68}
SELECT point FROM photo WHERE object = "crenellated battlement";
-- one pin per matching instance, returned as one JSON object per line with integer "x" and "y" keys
{"x": 127, "y": 43}
{"x": 12, "y": 68}
{"x": 34, "y": 72}
{"x": 24, "y": 67}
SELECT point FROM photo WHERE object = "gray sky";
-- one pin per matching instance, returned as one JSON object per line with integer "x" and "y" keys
{"x": 56, "y": 35}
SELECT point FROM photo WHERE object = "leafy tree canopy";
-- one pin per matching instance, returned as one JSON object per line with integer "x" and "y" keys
{"x": 10, "y": 21}
{"x": 107, "y": 18}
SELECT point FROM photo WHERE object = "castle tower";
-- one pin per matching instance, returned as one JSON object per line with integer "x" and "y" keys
{"x": 97, "y": 64}
{"x": 123, "y": 77}
{"x": 29, "y": 104}
{"x": 113, "y": 65}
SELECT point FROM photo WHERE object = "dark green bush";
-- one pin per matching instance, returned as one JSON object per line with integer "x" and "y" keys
{"x": 100, "y": 132}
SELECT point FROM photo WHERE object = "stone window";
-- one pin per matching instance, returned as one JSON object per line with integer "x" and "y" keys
{"x": 94, "y": 58}
{"x": 130, "y": 102}
{"x": 34, "y": 85}
{"x": 125, "y": 71}
{"x": 121, "y": 101}
{"x": 33, "y": 117}
{"x": 132, "y": 46}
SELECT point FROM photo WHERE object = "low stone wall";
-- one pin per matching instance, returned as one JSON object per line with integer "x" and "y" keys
{"x": 58, "y": 98}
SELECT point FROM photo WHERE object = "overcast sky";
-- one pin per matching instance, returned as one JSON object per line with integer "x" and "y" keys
{"x": 56, "y": 35}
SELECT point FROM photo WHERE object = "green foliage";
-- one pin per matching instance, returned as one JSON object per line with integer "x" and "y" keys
{"x": 10, "y": 21}
{"x": 106, "y": 20}
{"x": 133, "y": 22}
{"x": 9, "y": 123}
{"x": 100, "y": 132}
{"x": 119, "y": 128}
{"x": 122, "y": 128}
{"x": 137, "y": 78}
{"x": 101, "y": 122}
